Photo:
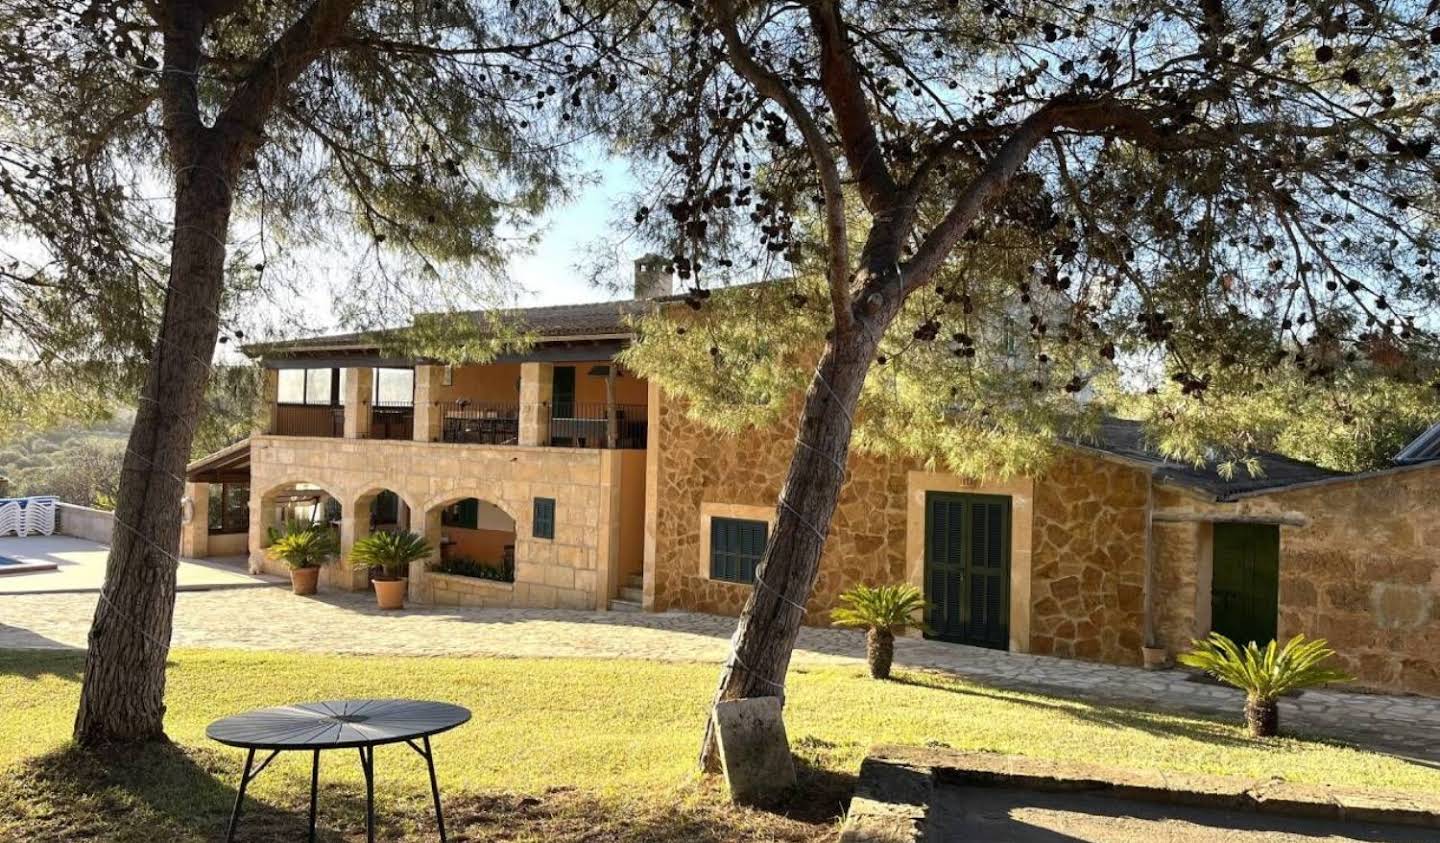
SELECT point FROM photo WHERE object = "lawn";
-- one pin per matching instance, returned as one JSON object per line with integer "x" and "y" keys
{"x": 564, "y": 749}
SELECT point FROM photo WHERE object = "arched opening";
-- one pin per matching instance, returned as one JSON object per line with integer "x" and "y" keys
{"x": 290, "y": 506}
{"x": 476, "y": 538}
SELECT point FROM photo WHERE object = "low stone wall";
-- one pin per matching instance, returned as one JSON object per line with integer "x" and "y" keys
{"x": 455, "y": 590}
{"x": 82, "y": 522}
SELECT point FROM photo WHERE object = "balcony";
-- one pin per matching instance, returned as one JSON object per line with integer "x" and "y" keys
{"x": 467, "y": 422}
{"x": 392, "y": 420}
{"x": 309, "y": 420}
{"x": 596, "y": 425}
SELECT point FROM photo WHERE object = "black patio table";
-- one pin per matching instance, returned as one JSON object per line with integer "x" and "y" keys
{"x": 337, "y": 724}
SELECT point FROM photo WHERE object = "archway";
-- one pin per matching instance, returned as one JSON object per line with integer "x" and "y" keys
{"x": 284, "y": 506}
{"x": 475, "y": 538}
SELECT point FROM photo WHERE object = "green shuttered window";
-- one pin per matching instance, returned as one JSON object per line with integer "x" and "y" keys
{"x": 736, "y": 546}
{"x": 544, "y": 522}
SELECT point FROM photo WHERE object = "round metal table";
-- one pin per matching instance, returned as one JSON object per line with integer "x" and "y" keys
{"x": 337, "y": 724}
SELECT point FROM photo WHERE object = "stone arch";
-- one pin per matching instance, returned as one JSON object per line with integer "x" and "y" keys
{"x": 486, "y": 542}
{"x": 264, "y": 515}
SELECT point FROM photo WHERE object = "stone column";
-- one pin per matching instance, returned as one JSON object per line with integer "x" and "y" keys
{"x": 537, "y": 385}
{"x": 428, "y": 413}
{"x": 195, "y": 532}
{"x": 269, "y": 397}
{"x": 354, "y": 526}
{"x": 359, "y": 386}
{"x": 428, "y": 525}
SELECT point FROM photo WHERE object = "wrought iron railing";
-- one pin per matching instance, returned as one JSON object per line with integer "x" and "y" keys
{"x": 392, "y": 420}
{"x": 479, "y": 422}
{"x": 309, "y": 420}
{"x": 592, "y": 425}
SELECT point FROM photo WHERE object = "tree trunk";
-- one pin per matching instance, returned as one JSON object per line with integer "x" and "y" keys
{"x": 1263, "y": 717}
{"x": 122, "y": 698}
{"x": 771, "y": 619}
{"x": 879, "y": 652}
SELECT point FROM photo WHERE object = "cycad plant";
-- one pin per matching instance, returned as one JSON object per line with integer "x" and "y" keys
{"x": 1265, "y": 674}
{"x": 882, "y": 611}
{"x": 391, "y": 552}
{"x": 308, "y": 548}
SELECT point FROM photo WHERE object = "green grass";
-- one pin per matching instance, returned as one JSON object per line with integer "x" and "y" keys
{"x": 559, "y": 748}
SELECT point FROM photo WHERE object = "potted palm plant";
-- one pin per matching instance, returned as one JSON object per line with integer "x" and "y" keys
{"x": 1264, "y": 674}
{"x": 304, "y": 548}
{"x": 882, "y": 612}
{"x": 392, "y": 554}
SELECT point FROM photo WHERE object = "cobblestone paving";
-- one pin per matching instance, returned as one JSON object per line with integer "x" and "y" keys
{"x": 270, "y": 618}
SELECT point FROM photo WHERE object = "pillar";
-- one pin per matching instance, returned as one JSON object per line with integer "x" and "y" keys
{"x": 537, "y": 385}
{"x": 359, "y": 386}
{"x": 427, "y": 525}
{"x": 428, "y": 413}
{"x": 269, "y": 397}
{"x": 195, "y": 530}
{"x": 354, "y": 526}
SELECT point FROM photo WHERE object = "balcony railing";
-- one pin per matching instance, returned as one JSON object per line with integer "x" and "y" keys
{"x": 588, "y": 425}
{"x": 479, "y": 422}
{"x": 309, "y": 420}
{"x": 392, "y": 420}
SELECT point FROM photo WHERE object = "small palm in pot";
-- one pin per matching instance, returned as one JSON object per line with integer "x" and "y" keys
{"x": 882, "y": 611}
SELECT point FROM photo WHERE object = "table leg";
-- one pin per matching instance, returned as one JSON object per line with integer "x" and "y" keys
{"x": 240, "y": 796}
{"x": 314, "y": 790}
{"x": 434, "y": 789}
{"x": 367, "y": 765}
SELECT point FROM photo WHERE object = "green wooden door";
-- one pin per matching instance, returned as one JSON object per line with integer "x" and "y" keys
{"x": 967, "y": 568}
{"x": 563, "y": 392}
{"x": 1245, "y": 589}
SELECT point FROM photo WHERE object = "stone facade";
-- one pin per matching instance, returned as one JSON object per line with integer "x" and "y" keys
{"x": 577, "y": 569}
{"x": 1077, "y": 543}
{"x": 1088, "y": 574}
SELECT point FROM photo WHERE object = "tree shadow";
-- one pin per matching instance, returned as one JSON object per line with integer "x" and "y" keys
{"x": 37, "y": 660}
{"x": 1158, "y": 724}
{"x": 158, "y": 791}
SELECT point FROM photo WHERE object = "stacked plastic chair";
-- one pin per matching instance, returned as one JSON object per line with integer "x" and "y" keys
{"x": 40, "y": 516}
{"x": 10, "y": 515}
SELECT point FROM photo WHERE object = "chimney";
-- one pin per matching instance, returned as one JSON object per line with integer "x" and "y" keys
{"x": 653, "y": 277}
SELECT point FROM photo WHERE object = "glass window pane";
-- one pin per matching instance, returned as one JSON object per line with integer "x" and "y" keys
{"x": 394, "y": 386}
{"x": 317, "y": 386}
{"x": 292, "y": 386}
{"x": 216, "y": 512}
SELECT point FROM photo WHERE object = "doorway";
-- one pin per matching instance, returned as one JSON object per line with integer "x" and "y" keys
{"x": 1245, "y": 588}
{"x": 967, "y": 568}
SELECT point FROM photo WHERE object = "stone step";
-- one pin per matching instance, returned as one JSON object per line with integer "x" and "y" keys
{"x": 626, "y": 606}
{"x": 636, "y": 581}
{"x": 632, "y": 594}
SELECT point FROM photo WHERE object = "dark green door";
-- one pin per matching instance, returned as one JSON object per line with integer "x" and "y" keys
{"x": 1245, "y": 588}
{"x": 563, "y": 392}
{"x": 967, "y": 568}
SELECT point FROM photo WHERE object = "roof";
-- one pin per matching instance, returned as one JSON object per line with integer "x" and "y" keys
{"x": 1423, "y": 448}
{"x": 229, "y": 461}
{"x": 551, "y": 322}
{"x": 1125, "y": 438}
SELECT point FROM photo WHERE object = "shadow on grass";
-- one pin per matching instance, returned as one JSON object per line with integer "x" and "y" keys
{"x": 67, "y": 663}
{"x": 164, "y": 792}
{"x": 1111, "y": 716}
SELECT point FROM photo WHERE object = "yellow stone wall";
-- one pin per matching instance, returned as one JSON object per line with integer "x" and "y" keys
{"x": 1077, "y": 539}
{"x": 574, "y": 570}
{"x": 1088, "y": 570}
{"x": 1365, "y": 575}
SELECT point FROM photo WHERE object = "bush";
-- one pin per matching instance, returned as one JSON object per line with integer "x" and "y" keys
{"x": 882, "y": 611}
{"x": 463, "y": 566}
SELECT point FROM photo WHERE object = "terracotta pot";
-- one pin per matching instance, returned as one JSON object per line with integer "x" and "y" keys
{"x": 390, "y": 594}
{"x": 304, "y": 580}
{"x": 1155, "y": 658}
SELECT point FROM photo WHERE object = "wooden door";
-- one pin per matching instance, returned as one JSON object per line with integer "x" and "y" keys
{"x": 967, "y": 568}
{"x": 1245, "y": 587}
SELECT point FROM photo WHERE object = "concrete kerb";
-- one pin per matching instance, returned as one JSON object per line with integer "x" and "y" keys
{"x": 897, "y": 784}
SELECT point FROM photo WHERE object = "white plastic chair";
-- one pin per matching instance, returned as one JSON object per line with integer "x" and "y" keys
{"x": 40, "y": 516}
{"x": 21, "y": 528}
{"x": 9, "y": 517}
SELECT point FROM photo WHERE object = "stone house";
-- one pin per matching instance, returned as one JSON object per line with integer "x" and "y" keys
{"x": 569, "y": 482}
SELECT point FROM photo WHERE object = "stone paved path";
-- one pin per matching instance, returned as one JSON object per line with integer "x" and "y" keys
{"x": 270, "y": 618}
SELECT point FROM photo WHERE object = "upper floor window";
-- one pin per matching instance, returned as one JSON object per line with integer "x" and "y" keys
{"x": 307, "y": 386}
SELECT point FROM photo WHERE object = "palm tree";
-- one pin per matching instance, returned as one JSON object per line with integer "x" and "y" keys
{"x": 1265, "y": 675}
{"x": 309, "y": 548}
{"x": 882, "y": 611}
{"x": 390, "y": 552}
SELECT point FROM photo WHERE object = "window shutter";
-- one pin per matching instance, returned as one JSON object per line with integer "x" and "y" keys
{"x": 543, "y": 526}
{"x": 736, "y": 546}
